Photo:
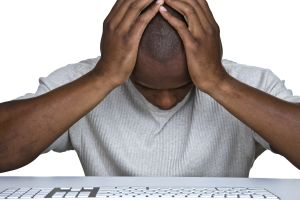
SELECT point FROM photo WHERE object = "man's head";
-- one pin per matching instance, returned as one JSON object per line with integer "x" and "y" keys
{"x": 161, "y": 72}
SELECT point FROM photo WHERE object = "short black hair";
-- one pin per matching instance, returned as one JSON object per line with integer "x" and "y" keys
{"x": 160, "y": 40}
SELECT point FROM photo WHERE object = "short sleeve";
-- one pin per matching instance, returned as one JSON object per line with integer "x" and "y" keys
{"x": 266, "y": 81}
{"x": 56, "y": 79}
{"x": 274, "y": 86}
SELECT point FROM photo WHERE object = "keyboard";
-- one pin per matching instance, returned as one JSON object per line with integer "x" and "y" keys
{"x": 238, "y": 193}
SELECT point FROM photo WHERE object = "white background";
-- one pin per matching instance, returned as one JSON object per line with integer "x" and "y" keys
{"x": 37, "y": 37}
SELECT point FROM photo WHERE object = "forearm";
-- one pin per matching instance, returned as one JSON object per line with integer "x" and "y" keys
{"x": 277, "y": 121}
{"x": 27, "y": 127}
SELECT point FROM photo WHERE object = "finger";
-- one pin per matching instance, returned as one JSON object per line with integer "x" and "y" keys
{"x": 209, "y": 15}
{"x": 133, "y": 13}
{"x": 191, "y": 8}
{"x": 200, "y": 12}
{"x": 118, "y": 14}
{"x": 186, "y": 9}
{"x": 113, "y": 10}
{"x": 143, "y": 20}
{"x": 180, "y": 27}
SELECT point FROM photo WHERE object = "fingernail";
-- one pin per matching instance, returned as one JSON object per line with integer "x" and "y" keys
{"x": 160, "y": 2}
{"x": 163, "y": 9}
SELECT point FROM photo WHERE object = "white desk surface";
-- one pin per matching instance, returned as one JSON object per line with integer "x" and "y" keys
{"x": 286, "y": 189}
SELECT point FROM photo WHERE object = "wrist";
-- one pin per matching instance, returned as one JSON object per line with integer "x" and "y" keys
{"x": 223, "y": 85}
{"x": 104, "y": 77}
{"x": 214, "y": 80}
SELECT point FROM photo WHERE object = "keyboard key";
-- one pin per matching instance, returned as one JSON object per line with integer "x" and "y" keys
{"x": 83, "y": 194}
{"x": 12, "y": 189}
{"x": 59, "y": 195}
{"x": 232, "y": 195}
{"x": 271, "y": 197}
{"x": 219, "y": 196}
{"x": 26, "y": 197}
{"x": 76, "y": 189}
{"x": 65, "y": 188}
{"x": 40, "y": 196}
{"x": 205, "y": 195}
{"x": 88, "y": 188}
{"x": 245, "y": 196}
{"x": 257, "y": 196}
{"x": 13, "y": 197}
{"x": 71, "y": 194}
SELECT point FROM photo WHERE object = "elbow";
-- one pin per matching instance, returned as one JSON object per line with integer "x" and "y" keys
{"x": 295, "y": 160}
{"x": 297, "y": 164}
{"x": 11, "y": 160}
{"x": 7, "y": 163}
{"x": 10, "y": 165}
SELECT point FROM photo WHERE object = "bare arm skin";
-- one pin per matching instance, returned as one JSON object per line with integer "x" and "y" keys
{"x": 27, "y": 127}
{"x": 277, "y": 121}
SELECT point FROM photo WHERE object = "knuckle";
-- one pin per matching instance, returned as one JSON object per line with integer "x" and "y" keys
{"x": 133, "y": 5}
{"x": 127, "y": 40}
{"x": 108, "y": 25}
{"x": 203, "y": 2}
{"x": 210, "y": 30}
{"x": 194, "y": 3}
{"x": 217, "y": 28}
{"x": 106, "y": 22}
{"x": 195, "y": 45}
{"x": 119, "y": 33}
{"x": 180, "y": 25}
{"x": 192, "y": 46}
{"x": 141, "y": 21}
{"x": 190, "y": 10}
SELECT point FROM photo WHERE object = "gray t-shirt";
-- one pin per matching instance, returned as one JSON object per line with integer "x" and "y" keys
{"x": 125, "y": 135}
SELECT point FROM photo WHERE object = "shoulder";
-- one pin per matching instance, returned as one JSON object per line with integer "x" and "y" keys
{"x": 69, "y": 73}
{"x": 254, "y": 76}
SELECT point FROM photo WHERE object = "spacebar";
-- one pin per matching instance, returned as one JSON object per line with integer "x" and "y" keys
{"x": 148, "y": 198}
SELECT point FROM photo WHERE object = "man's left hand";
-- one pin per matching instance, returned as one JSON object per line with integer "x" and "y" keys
{"x": 275, "y": 120}
{"x": 201, "y": 39}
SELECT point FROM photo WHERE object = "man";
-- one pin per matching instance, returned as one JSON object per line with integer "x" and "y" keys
{"x": 159, "y": 102}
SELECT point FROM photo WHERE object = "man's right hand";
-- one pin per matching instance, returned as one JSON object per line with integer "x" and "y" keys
{"x": 28, "y": 127}
{"x": 122, "y": 32}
